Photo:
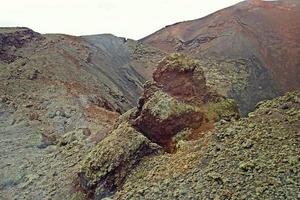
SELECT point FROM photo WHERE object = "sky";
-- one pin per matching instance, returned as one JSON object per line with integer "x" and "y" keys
{"x": 133, "y": 19}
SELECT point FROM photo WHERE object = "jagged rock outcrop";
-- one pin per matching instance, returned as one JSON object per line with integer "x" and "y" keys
{"x": 14, "y": 38}
{"x": 179, "y": 99}
{"x": 165, "y": 115}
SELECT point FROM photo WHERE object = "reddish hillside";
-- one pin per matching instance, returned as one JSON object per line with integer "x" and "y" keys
{"x": 265, "y": 34}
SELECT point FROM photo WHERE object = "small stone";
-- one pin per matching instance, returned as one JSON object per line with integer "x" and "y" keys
{"x": 13, "y": 121}
{"x": 270, "y": 112}
{"x": 33, "y": 116}
{"x": 29, "y": 105}
{"x": 216, "y": 177}
{"x": 51, "y": 149}
{"x": 247, "y": 166}
{"x": 4, "y": 99}
{"x": 57, "y": 113}
{"x": 248, "y": 144}
{"x": 285, "y": 106}
{"x": 54, "y": 173}
{"x": 51, "y": 115}
{"x": 60, "y": 113}
{"x": 217, "y": 148}
{"x": 222, "y": 121}
{"x": 251, "y": 125}
{"x": 33, "y": 75}
{"x": 273, "y": 181}
{"x": 86, "y": 131}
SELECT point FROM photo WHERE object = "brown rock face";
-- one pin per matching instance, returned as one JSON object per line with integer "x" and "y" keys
{"x": 257, "y": 39}
{"x": 181, "y": 78}
{"x": 162, "y": 117}
{"x": 177, "y": 99}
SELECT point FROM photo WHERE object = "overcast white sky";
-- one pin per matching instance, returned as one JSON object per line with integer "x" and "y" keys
{"x": 127, "y": 18}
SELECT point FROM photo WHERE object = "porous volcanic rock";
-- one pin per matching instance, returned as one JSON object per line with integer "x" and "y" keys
{"x": 178, "y": 99}
{"x": 164, "y": 116}
{"x": 105, "y": 167}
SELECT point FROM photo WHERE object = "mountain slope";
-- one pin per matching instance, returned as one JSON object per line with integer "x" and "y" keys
{"x": 113, "y": 66}
{"x": 260, "y": 38}
{"x": 59, "y": 96}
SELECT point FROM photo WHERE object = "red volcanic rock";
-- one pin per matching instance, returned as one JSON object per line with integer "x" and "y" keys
{"x": 177, "y": 99}
{"x": 181, "y": 77}
{"x": 162, "y": 117}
